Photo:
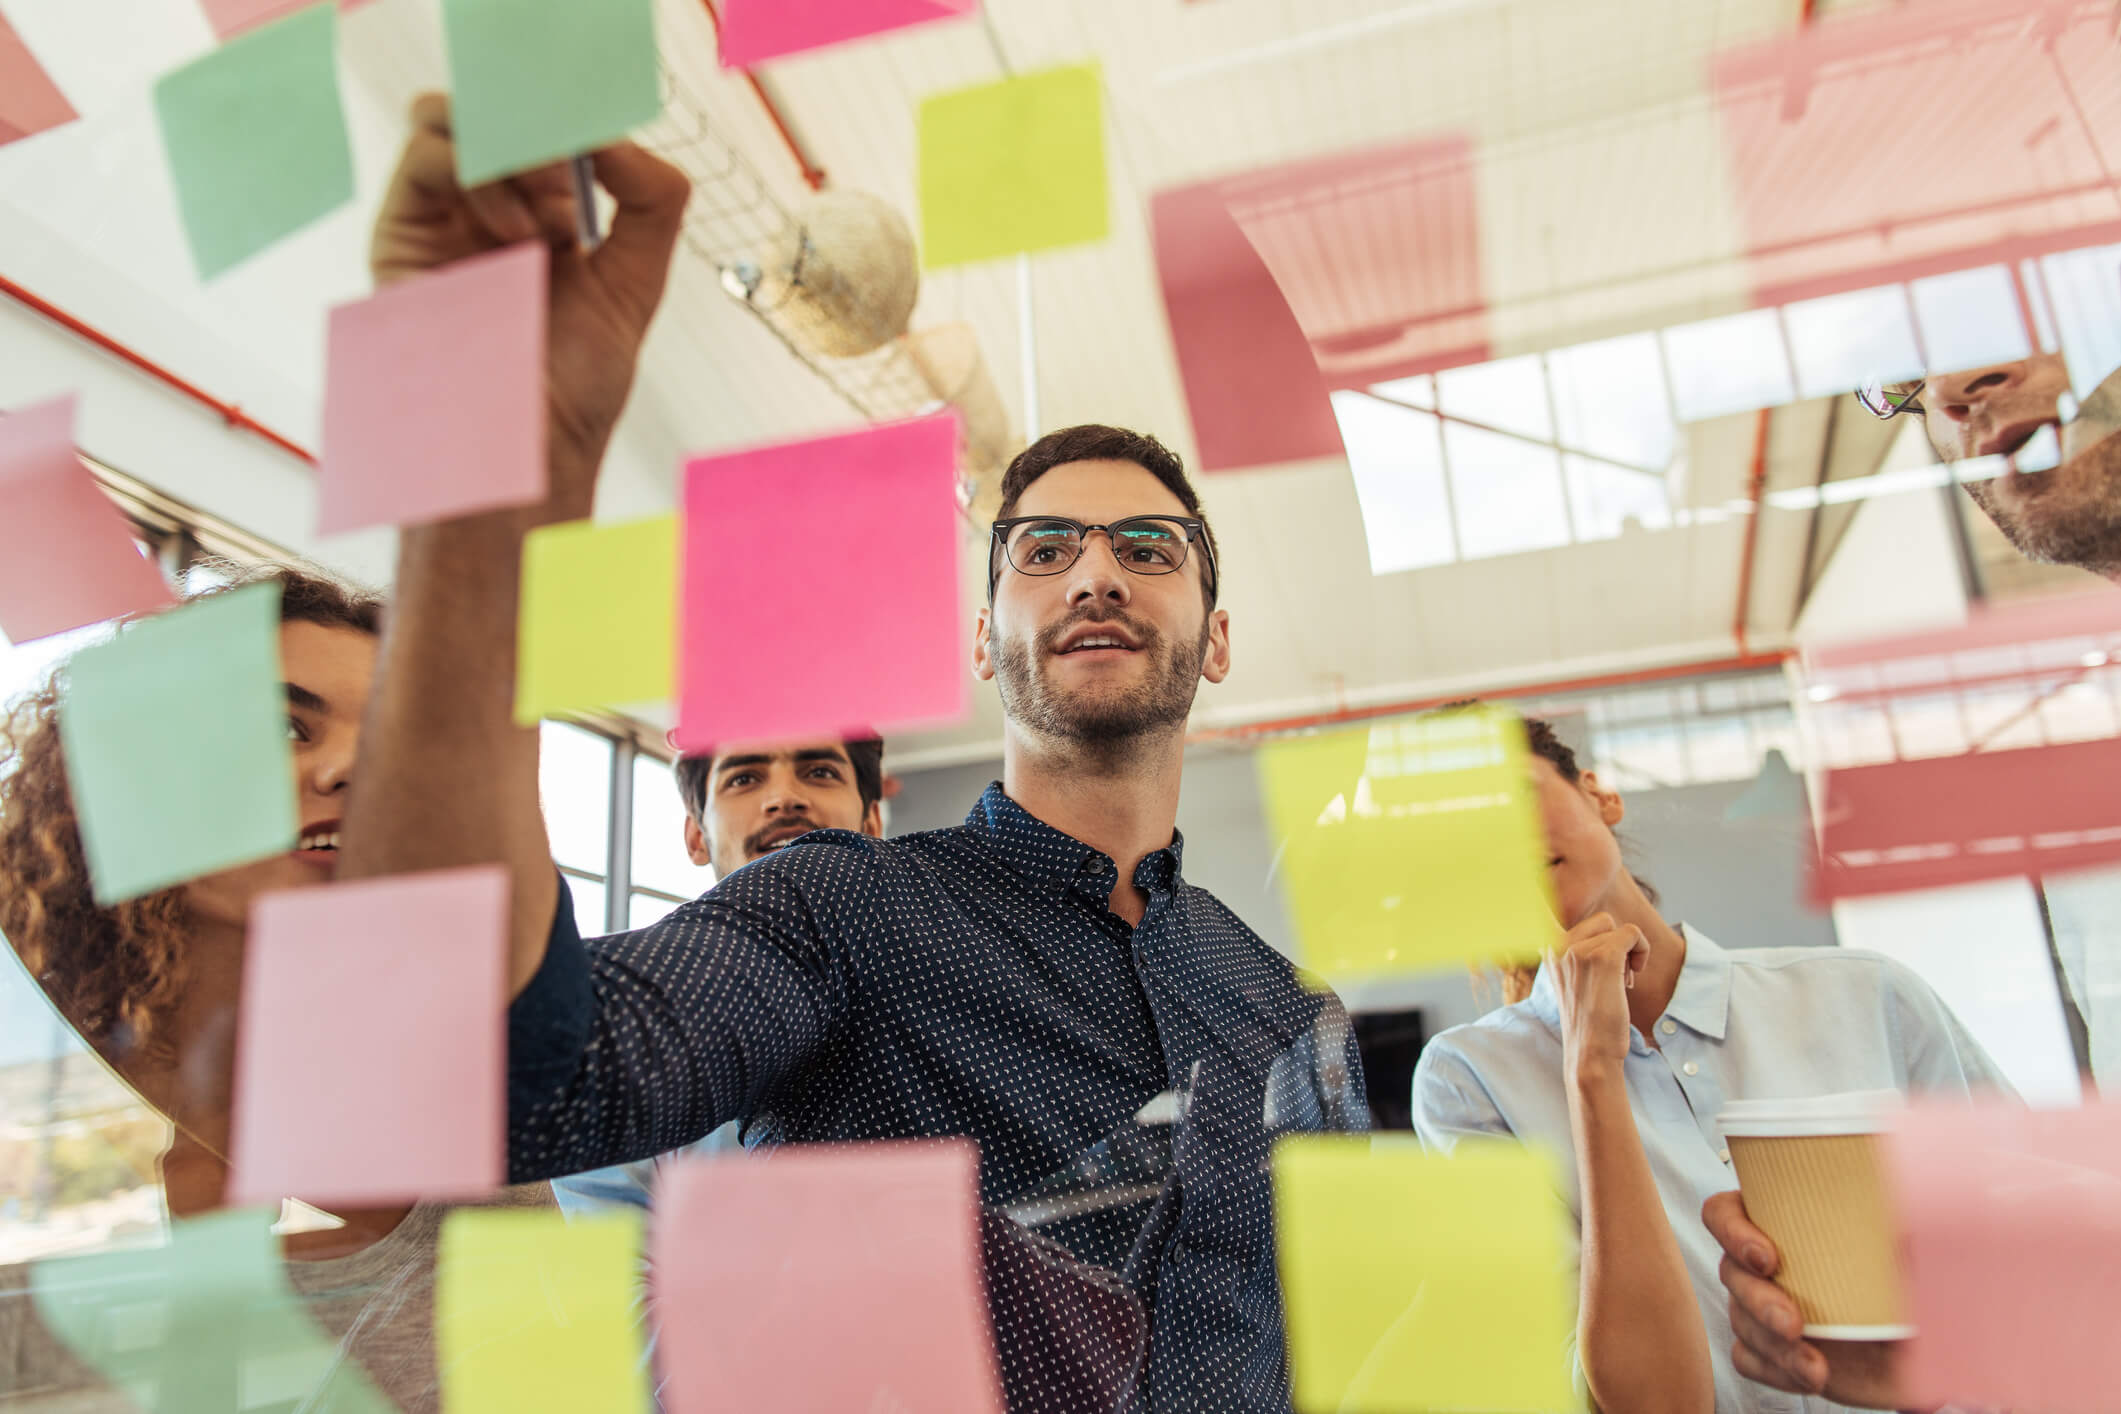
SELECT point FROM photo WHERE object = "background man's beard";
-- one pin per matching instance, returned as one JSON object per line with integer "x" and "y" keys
{"x": 2075, "y": 523}
{"x": 1100, "y": 719}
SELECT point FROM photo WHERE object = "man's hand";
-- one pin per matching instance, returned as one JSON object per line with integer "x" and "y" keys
{"x": 601, "y": 301}
{"x": 1770, "y": 1346}
{"x": 1592, "y": 969}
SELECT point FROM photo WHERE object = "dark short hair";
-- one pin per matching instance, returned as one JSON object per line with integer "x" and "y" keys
{"x": 1094, "y": 442}
{"x": 866, "y": 754}
{"x": 1540, "y": 740}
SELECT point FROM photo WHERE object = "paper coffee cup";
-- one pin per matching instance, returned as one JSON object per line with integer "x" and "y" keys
{"x": 1813, "y": 1178}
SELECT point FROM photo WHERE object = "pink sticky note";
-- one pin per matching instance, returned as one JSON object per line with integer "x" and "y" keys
{"x": 2011, "y": 1224}
{"x": 1836, "y": 192}
{"x": 71, "y": 562}
{"x": 829, "y": 1276}
{"x": 853, "y": 539}
{"x": 434, "y": 399}
{"x": 1252, "y": 386}
{"x": 29, "y": 101}
{"x": 1978, "y": 752}
{"x": 1377, "y": 253}
{"x": 371, "y": 1060}
{"x": 757, "y": 30}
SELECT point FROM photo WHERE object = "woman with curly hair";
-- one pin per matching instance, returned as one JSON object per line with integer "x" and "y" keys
{"x": 152, "y": 985}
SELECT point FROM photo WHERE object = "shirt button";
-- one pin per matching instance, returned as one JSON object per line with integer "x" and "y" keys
{"x": 1668, "y": 1026}
{"x": 1724, "y": 1154}
{"x": 1691, "y": 1068}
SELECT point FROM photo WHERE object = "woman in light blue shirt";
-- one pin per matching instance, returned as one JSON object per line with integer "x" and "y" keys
{"x": 1617, "y": 1054}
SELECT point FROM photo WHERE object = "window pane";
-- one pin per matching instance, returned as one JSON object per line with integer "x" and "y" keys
{"x": 1604, "y": 498}
{"x": 2084, "y": 291}
{"x": 659, "y": 857}
{"x": 1507, "y": 493}
{"x": 1609, "y": 398}
{"x": 588, "y": 906}
{"x": 574, "y": 784}
{"x": 1841, "y": 340}
{"x": 1734, "y": 364}
{"x": 644, "y": 909}
{"x": 1970, "y": 319}
{"x": 1398, "y": 465}
{"x": 1510, "y": 393}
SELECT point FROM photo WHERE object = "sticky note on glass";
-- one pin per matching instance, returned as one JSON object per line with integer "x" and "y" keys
{"x": 846, "y": 539}
{"x": 2010, "y": 1223}
{"x": 1414, "y": 1280}
{"x": 1013, "y": 166}
{"x": 1409, "y": 845}
{"x": 73, "y": 562}
{"x": 203, "y": 1325}
{"x": 533, "y": 1311}
{"x": 256, "y": 138}
{"x": 756, "y": 30}
{"x": 419, "y": 959}
{"x": 538, "y": 80}
{"x": 597, "y": 625}
{"x": 176, "y": 745}
{"x": 434, "y": 399}
{"x": 29, "y": 101}
{"x": 835, "y": 1276}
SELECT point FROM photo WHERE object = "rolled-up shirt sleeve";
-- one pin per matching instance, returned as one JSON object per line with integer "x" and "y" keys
{"x": 627, "y": 1046}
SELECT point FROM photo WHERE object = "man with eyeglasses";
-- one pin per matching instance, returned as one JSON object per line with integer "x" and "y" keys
{"x": 1034, "y": 978}
{"x": 2069, "y": 515}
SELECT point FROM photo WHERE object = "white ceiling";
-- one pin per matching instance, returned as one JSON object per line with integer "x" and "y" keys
{"x": 1601, "y": 170}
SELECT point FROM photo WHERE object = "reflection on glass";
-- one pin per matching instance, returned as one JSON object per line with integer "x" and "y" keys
{"x": 1507, "y": 492}
{"x": 2082, "y": 290}
{"x": 1970, "y": 318}
{"x": 1609, "y": 399}
{"x": 1509, "y": 394}
{"x": 1397, "y": 460}
{"x": 1604, "y": 499}
{"x": 1839, "y": 341}
{"x": 574, "y": 784}
{"x": 1734, "y": 364}
{"x": 659, "y": 858}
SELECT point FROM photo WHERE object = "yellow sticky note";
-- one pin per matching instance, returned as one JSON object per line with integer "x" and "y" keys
{"x": 1013, "y": 166}
{"x": 533, "y": 1312}
{"x": 598, "y": 620}
{"x": 1410, "y": 844}
{"x": 1415, "y": 1281}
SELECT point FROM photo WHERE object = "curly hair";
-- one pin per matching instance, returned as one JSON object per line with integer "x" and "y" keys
{"x": 115, "y": 973}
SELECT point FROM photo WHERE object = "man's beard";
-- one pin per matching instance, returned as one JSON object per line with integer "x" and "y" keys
{"x": 1099, "y": 721}
{"x": 2075, "y": 521}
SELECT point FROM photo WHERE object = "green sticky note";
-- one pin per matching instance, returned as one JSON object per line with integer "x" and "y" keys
{"x": 534, "y": 81}
{"x": 176, "y": 745}
{"x": 1410, "y": 845}
{"x": 1416, "y": 1281}
{"x": 597, "y": 626}
{"x": 1013, "y": 166}
{"x": 533, "y": 1311}
{"x": 256, "y": 138}
{"x": 205, "y": 1325}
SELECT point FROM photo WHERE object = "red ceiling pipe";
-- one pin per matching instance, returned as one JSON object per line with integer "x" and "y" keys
{"x": 1756, "y": 489}
{"x": 813, "y": 176}
{"x": 230, "y": 413}
{"x": 1744, "y": 662}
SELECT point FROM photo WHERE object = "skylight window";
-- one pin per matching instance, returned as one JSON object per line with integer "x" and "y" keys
{"x": 1842, "y": 340}
{"x": 1734, "y": 364}
{"x": 1397, "y": 457}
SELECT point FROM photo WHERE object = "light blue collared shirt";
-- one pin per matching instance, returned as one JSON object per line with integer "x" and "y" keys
{"x": 1757, "y": 1024}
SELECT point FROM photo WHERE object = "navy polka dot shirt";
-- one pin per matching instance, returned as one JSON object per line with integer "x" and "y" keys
{"x": 967, "y": 981}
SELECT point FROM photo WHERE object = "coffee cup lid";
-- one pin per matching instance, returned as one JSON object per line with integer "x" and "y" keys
{"x": 1850, "y": 1112}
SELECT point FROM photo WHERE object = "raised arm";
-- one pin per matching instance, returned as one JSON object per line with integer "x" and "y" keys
{"x": 1638, "y": 1328}
{"x": 447, "y": 778}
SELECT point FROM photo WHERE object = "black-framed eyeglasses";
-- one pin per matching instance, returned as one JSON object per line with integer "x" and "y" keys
{"x": 1043, "y": 545}
{"x": 1889, "y": 400}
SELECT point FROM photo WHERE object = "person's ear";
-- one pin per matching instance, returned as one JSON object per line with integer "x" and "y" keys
{"x": 1215, "y": 665}
{"x": 982, "y": 664}
{"x": 696, "y": 843}
{"x": 1611, "y": 808}
{"x": 873, "y": 820}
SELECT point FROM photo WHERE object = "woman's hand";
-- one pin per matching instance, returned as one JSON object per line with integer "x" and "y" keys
{"x": 1594, "y": 966}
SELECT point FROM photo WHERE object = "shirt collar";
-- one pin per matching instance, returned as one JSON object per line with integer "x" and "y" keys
{"x": 1701, "y": 1000}
{"x": 1050, "y": 859}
